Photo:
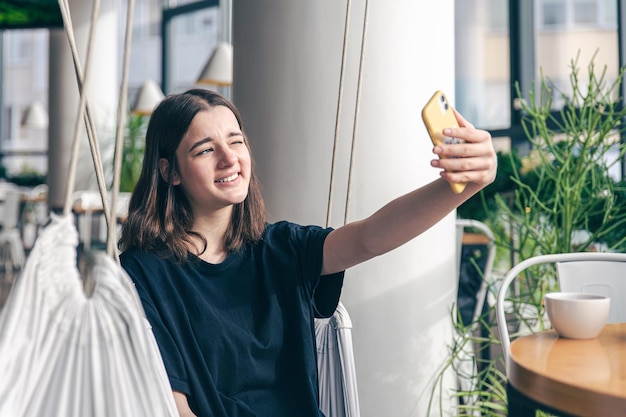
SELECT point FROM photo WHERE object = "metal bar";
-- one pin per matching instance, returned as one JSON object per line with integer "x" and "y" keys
{"x": 522, "y": 47}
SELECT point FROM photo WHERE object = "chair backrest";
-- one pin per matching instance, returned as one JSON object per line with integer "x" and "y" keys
{"x": 338, "y": 394}
{"x": 482, "y": 228}
{"x": 86, "y": 200}
{"x": 11, "y": 208}
{"x": 577, "y": 271}
{"x": 601, "y": 277}
{"x": 91, "y": 200}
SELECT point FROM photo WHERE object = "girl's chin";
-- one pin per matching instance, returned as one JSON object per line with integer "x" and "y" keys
{"x": 238, "y": 199}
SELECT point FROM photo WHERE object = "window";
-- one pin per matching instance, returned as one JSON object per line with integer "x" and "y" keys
{"x": 553, "y": 13}
{"x": 565, "y": 32}
{"x": 586, "y": 36}
{"x": 19, "y": 45}
{"x": 193, "y": 37}
{"x": 568, "y": 14}
{"x": 585, "y": 12}
{"x": 147, "y": 19}
{"x": 608, "y": 13}
{"x": 498, "y": 16}
{"x": 482, "y": 63}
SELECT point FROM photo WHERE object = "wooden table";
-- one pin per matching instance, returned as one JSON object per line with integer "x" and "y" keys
{"x": 569, "y": 377}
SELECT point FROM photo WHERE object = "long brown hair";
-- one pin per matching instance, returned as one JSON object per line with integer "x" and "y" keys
{"x": 159, "y": 215}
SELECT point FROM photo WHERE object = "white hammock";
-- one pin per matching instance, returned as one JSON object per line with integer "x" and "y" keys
{"x": 63, "y": 353}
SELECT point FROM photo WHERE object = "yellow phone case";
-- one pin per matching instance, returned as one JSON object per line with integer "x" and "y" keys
{"x": 437, "y": 115}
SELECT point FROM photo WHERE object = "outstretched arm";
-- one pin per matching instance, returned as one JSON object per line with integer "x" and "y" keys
{"x": 406, "y": 217}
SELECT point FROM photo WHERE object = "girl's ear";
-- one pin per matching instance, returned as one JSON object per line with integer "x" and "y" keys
{"x": 164, "y": 169}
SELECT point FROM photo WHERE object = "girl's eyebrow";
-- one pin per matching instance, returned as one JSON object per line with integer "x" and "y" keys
{"x": 199, "y": 143}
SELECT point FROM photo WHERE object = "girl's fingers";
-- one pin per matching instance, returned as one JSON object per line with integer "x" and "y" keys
{"x": 478, "y": 177}
{"x": 479, "y": 169}
{"x": 472, "y": 161}
{"x": 468, "y": 134}
{"x": 468, "y": 149}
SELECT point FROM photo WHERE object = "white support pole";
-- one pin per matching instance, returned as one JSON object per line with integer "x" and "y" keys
{"x": 63, "y": 97}
{"x": 287, "y": 64}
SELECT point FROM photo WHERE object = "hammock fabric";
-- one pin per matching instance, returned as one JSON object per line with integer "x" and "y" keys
{"x": 63, "y": 353}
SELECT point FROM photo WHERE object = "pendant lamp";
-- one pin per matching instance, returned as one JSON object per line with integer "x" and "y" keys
{"x": 219, "y": 69}
{"x": 149, "y": 96}
{"x": 35, "y": 116}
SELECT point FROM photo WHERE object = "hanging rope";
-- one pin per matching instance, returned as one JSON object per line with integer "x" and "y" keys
{"x": 84, "y": 113}
{"x": 357, "y": 106}
{"x": 119, "y": 138}
{"x": 342, "y": 73}
{"x": 356, "y": 113}
{"x": 81, "y": 80}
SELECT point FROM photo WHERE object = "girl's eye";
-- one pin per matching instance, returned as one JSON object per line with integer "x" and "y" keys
{"x": 205, "y": 151}
{"x": 236, "y": 140}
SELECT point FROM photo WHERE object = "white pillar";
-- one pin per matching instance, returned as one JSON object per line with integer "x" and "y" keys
{"x": 102, "y": 89}
{"x": 286, "y": 73}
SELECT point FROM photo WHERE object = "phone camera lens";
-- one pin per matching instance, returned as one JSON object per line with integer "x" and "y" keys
{"x": 442, "y": 98}
{"x": 445, "y": 106}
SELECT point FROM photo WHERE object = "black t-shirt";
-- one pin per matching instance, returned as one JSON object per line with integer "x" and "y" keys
{"x": 238, "y": 337}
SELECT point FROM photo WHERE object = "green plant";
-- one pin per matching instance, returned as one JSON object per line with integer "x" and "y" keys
{"x": 571, "y": 188}
{"x": 132, "y": 156}
{"x": 27, "y": 176}
{"x": 563, "y": 198}
{"x": 33, "y": 13}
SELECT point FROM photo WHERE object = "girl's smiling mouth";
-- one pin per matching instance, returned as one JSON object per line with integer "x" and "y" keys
{"x": 229, "y": 178}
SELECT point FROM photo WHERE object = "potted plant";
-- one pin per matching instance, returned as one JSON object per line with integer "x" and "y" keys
{"x": 27, "y": 177}
{"x": 564, "y": 198}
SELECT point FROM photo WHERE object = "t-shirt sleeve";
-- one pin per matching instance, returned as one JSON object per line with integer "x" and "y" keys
{"x": 143, "y": 273}
{"x": 325, "y": 289}
{"x": 327, "y": 293}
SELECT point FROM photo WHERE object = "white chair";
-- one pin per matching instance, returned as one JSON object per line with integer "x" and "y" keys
{"x": 11, "y": 246}
{"x": 34, "y": 213}
{"x": 86, "y": 204}
{"x": 579, "y": 271}
{"x": 461, "y": 226}
{"x": 600, "y": 277}
{"x": 466, "y": 359}
{"x": 335, "y": 365}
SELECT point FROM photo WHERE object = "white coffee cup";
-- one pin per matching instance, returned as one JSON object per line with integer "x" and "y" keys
{"x": 577, "y": 315}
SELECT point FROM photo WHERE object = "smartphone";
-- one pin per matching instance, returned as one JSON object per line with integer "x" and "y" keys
{"x": 437, "y": 115}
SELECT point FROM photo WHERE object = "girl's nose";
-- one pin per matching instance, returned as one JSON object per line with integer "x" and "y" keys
{"x": 227, "y": 156}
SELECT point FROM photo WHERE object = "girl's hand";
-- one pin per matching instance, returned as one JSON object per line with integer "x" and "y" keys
{"x": 473, "y": 161}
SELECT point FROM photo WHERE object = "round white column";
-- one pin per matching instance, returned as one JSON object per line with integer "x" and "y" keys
{"x": 102, "y": 96}
{"x": 287, "y": 58}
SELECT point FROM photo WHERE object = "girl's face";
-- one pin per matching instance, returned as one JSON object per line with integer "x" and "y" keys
{"x": 214, "y": 166}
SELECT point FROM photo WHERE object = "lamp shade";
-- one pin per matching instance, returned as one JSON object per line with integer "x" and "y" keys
{"x": 149, "y": 96}
{"x": 219, "y": 69}
{"x": 35, "y": 116}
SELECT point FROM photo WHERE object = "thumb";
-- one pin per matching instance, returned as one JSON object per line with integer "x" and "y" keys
{"x": 461, "y": 120}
